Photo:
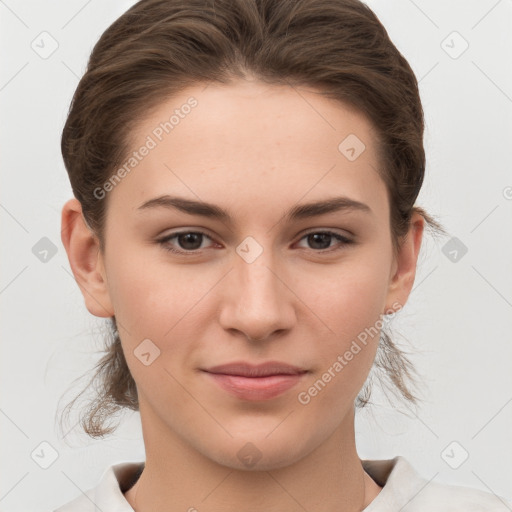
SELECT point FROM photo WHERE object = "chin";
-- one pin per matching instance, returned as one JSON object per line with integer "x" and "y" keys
{"x": 256, "y": 453}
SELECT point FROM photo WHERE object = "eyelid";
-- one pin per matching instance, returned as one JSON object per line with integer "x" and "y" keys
{"x": 346, "y": 234}
{"x": 342, "y": 239}
{"x": 165, "y": 238}
{"x": 203, "y": 231}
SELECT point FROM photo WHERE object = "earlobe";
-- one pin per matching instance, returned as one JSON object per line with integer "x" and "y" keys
{"x": 404, "y": 267}
{"x": 85, "y": 259}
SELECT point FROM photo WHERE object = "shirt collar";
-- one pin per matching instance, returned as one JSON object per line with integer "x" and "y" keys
{"x": 399, "y": 480}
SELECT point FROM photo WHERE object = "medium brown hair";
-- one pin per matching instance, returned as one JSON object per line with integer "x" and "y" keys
{"x": 159, "y": 47}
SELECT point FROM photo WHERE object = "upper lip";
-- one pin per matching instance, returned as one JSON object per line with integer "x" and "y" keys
{"x": 261, "y": 370}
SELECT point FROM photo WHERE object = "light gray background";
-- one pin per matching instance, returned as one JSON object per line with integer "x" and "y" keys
{"x": 458, "y": 319}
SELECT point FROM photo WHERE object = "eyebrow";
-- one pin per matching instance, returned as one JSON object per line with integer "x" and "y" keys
{"x": 302, "y": 211}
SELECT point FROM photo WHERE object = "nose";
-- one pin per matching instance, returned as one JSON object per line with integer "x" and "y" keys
{"x": 256, "y": 299}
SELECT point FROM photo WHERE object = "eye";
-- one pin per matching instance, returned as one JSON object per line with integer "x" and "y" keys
{"x": 190, "y": 242}
{"x": 321, "y": 240}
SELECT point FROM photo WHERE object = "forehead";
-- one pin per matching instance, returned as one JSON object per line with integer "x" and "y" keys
{"x": 247, "y": 139}
{"x": 254, "y": 113}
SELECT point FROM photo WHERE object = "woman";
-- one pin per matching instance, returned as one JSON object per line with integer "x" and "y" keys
{"x": 245, "y": 175}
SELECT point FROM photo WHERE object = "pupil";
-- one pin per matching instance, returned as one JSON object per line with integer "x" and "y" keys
{"x": 189, "y": 237}
{"x": 322, "y": 237}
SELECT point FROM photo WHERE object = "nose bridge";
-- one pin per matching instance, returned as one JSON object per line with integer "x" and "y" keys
{"x": 259, "y": 286}
{"x": 258, "y": 302}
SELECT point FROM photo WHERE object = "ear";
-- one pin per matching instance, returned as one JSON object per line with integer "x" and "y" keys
{"x": 404, "y": 266}
{"x": 85, "y": 259}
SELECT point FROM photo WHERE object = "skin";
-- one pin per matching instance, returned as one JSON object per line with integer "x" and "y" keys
{"x": 255, "y": 150}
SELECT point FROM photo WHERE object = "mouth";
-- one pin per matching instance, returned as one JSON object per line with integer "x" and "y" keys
{"x": 256, "y": 382}
{"x": 243, "y": 369}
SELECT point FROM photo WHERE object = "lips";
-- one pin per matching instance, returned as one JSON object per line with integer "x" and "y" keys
{"x": 243, "y": 369}
{"x": 255, "y": 382}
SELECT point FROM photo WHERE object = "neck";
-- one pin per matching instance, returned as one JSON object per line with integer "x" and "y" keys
{"x": 178, "y": 478}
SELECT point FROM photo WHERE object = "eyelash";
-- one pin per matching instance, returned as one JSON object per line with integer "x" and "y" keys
{"x": 164, "y": 242}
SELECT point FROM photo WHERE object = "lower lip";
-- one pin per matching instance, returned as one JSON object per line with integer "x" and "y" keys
{"x": 256, "y": 388}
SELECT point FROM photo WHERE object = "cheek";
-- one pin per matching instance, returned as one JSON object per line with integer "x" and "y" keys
{"x": 345, "y": 353}
{"x": 150, "y": 294}
{"x": 349, "y": 296}
{"x": 350, "y": 303}
{"x": 164, "y": 303}
{"x": 153, "y": 303}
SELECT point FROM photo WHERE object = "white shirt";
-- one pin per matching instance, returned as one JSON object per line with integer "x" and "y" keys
{"x": 403, "y": 489}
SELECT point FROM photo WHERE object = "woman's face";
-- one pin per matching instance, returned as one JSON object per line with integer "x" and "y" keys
{"x": 258, "y": 285}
